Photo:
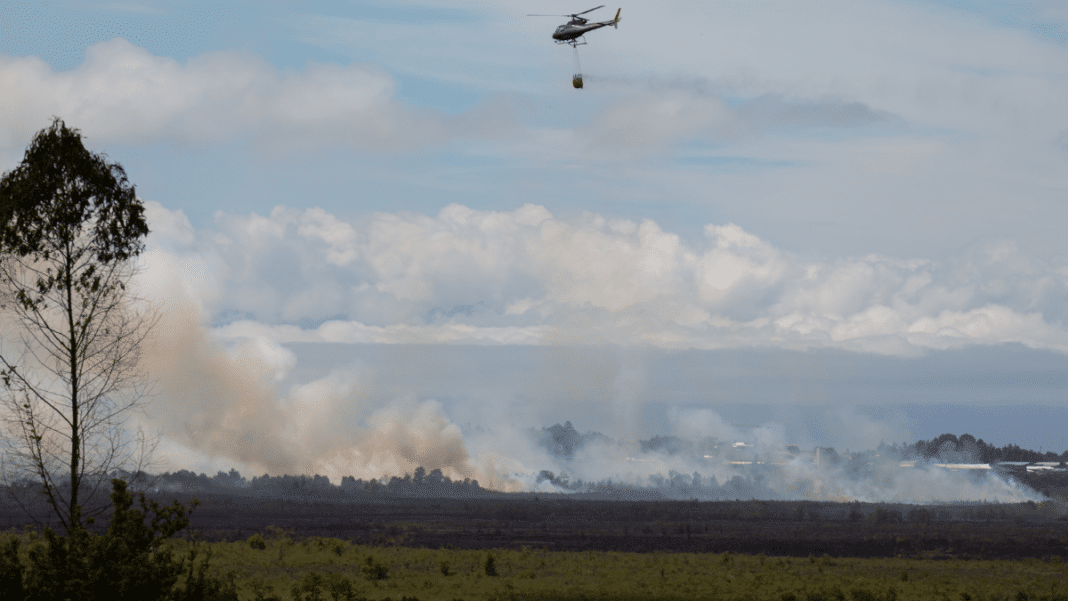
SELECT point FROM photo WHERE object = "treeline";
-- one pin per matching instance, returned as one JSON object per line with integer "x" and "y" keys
{"x": 968, "y": 449}
{"x": 421, "y": 483}
{"x": 434, "y": 484}
{"x": 563, "y": 441}
{"x": 675, "y": 485}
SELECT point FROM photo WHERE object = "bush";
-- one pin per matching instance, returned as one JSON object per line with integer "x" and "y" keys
{"x": 372, "y": 570}
{"x": 126, "y": 563}
{"x": 129, "y": 561}
{"x": 10, "y": 570}
{"x": 339, "y": 587}
{"x": 198, "y": 586}
{"x": 491, "y": 565}
{"x": 308, "y": 588}
{"x": 338, "y": 547}
{"x": 263, "y": 592}
{"x": 256, "y": 542}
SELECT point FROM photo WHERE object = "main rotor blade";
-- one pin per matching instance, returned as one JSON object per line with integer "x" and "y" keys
{"x": 549, "y": 15}
{"x": 586, "y": 11}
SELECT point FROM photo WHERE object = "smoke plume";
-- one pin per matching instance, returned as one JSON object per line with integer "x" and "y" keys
{"x": 223, "y": 403}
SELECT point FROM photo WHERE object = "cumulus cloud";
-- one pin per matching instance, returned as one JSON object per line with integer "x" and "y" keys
{"x": 122, "y": 92}
{"x": 528, "y": 277}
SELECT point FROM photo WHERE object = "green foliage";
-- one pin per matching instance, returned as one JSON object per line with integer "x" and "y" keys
{"x": 256, "y": 542}
{"x": 131, "y": 561}
{"x": 308, "y": 588}
{"x": 443, "y": 567}
{"x": 311, "y": 569}
{"x": 126, "y": 563}
{"x": 61, "y": 188}
{"x": 490, "y": 565}
{"x": 320, "y": 587}
{"x": 339, "y": 588}
{"x": 10, "y": 570}
{"x": 337, "y": 546}
{"x": 373, "y": 570}
{"x": 199, "y": 585}
{"x": 128, "y": 531}
{"x": 262, "y": 591}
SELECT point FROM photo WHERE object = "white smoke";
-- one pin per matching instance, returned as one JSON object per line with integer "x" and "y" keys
{"x": 226, "y": 406}
{"x": 238, "y": 392}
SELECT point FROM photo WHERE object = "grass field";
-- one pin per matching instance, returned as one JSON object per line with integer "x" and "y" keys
{"x": 277, "y": 566}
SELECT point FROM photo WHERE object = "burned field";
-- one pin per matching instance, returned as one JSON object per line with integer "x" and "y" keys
{"x": 568, "y": 523}
{"x": 565, "y": 546}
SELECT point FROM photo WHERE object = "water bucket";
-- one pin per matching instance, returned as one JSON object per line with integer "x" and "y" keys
{"x": 576, "y": 80}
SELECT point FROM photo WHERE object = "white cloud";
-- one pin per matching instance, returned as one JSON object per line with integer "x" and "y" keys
{"x": 969, "y": 115}
{"x": 527, "y": 277}
{"x": 653, "y": 120}
{"x": 123, "y": 93}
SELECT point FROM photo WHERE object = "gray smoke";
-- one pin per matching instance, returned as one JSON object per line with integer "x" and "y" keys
{"x": 222, "y": 405}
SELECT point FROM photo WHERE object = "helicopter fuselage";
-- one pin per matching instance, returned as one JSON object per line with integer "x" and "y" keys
{"x": 572, "y": 30}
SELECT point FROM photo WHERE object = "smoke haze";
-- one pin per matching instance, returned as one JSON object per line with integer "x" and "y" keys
{"x": 386, "y": 237}
{"x": 301, "y": 343}
{"x": 224, "y": 404}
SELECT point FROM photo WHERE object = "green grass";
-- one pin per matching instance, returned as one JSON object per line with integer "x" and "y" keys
{"x": 397, "y": 573}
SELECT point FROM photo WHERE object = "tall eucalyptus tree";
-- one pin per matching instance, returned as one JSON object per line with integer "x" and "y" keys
{"x": 71, "y": 331}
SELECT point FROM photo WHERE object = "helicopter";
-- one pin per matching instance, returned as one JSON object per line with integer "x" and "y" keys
{"x": 572, "y": 31}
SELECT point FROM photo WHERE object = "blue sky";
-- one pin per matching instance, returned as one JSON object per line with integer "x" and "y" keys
{"x": 748, "y": 200}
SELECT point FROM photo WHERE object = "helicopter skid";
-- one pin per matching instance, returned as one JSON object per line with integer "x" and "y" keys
{"x": 579, "y": 41}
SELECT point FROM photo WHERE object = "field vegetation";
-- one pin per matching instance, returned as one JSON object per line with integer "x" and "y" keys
{"x": 276, "y": 565}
